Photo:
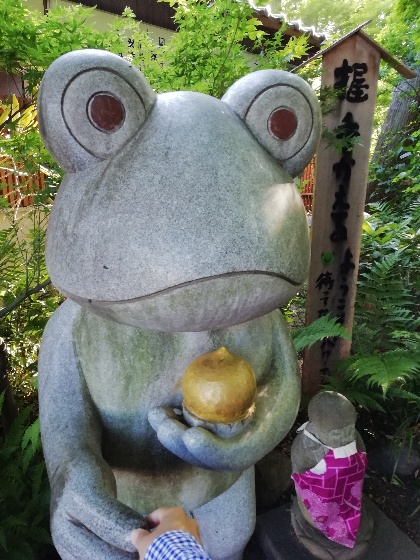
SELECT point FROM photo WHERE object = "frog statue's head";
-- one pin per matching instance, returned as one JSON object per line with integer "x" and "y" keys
{"x": 178, "y": 211}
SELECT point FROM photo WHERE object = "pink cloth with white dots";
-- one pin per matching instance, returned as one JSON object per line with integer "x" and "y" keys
{"x": 332, "y": 492}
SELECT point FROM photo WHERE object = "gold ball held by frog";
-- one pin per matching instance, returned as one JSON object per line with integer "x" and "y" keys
{"x": 219, "y": 391}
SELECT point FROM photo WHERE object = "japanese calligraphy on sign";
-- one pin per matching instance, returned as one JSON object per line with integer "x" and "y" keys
{"x": 356, "y": 91}
{"x": 351, "y": 70}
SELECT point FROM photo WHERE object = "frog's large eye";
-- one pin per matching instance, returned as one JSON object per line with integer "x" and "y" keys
{"x": 90, "y": 104}
{"x": 282, "y": 112}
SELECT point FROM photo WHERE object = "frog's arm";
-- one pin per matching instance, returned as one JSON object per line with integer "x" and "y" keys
{"x": 87, "y": 519}
{"x": 277, "y": 404}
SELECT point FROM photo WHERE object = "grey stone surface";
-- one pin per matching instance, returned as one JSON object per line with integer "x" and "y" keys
{"x": 276, "y": 539}
{"x": 175, "y": 232}
{"x": 234, "y": 506}
{"x": 210, "y": 303}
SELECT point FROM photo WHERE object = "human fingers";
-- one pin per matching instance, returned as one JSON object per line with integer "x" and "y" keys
{"x": 172, "y": 519}
{"x": 141, "y": 539}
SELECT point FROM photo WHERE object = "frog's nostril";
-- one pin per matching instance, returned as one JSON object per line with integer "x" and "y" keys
{"x": 105, "y": 112}
{"x": 282, "y": 123}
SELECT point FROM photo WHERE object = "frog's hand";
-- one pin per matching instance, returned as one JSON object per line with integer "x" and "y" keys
{"x": 170, "y": 432}
{"x": 274, "y": 417}
{"x": 75, "y": 542}
{"x": 84, "y": 504}
{"x": 87, "y": 522}
{"x": 202, "y": 448}
{"x": 277, "y": 404}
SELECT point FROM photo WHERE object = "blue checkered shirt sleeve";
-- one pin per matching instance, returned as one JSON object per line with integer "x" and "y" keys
{"x": 175, "y": 545}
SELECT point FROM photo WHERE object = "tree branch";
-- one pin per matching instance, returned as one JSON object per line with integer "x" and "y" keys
{"x": 27, "y": 293}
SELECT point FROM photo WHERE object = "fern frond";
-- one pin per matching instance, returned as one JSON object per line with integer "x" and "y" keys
{"x": 7, "y": 452}
{"x": 397, "y": 393}
{"x": 409, "y": 340}
{"x": 386, "y": 368}
{"x": 24, "y": 492}
{"x": 32, "y": 434}
{"x": 14, "y": 436}
{"x": 15, "y": 521}
{"x": 324, "y": 327}
{"x": 368, "y": 400}
{"x": 38, "y": 475}
{"x": 31, "y": 443}
{"x": 384, "y": 304}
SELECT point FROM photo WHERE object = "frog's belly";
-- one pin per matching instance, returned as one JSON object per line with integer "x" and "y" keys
{"x": 190, "y": 487}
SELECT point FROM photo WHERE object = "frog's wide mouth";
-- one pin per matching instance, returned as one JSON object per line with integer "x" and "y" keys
{"x": 205, "y": 303}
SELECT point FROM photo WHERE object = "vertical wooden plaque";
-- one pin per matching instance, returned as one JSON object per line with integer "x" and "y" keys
{"x": 352, "y": 67}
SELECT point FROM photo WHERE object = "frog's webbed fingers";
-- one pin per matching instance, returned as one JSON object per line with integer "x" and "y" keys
{"x": 273, "y": 418}
{"x": 74, "y": 541}
{"x": 170, "y": 431}
{"x": 88, "y": 500}
{"x": 218, "y": 454}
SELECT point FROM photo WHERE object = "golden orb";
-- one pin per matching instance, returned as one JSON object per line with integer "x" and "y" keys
{"x": 219, "y": 387}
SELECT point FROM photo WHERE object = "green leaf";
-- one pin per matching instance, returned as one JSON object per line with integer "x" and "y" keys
{"x": 358, "y": 395}
{"x": 32, "y": 434}
{"x": 31, "y": 443}
{"x": 385, "y": 369}
{"x": 15, "y": 435}
{"x": 324, "y": 327}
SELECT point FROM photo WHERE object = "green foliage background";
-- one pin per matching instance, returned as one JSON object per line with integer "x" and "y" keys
{"x": 24, "y": 491}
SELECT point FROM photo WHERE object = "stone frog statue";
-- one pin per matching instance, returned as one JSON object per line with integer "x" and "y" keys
{"x": 177, "y": 230}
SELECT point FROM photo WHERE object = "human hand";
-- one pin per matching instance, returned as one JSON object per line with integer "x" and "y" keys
{"x": 162, "y": 520}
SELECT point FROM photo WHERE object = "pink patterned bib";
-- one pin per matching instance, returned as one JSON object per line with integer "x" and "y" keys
{"x": 332, "y": 492}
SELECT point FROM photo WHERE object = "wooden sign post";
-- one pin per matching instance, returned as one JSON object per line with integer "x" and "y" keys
{"x": 351, "y": 70}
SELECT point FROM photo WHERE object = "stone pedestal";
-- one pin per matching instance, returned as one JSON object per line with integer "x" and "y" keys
{"x": 275, "y": 538}
{"x": 324, "y": 549}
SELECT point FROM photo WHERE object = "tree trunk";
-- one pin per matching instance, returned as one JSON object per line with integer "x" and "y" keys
{"x": 401, "y": 119}
{"x": 9, "y": 412}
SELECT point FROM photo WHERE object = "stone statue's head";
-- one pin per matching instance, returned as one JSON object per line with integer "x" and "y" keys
{"x": 178, "y": 211}
{"x": 332, "y": 418}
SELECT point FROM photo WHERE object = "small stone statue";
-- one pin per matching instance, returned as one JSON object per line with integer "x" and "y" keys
{"x": 329, "y": 463}
{"x": 177, "y": 231}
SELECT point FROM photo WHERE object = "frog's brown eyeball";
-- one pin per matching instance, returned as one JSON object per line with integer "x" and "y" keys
{"x": 106, "y": 112}
{"x": 91, "y": 103}
{"x": 282, "y": 113}
{"x": 282, "y": 123}
{"x": 111, "y": 117}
